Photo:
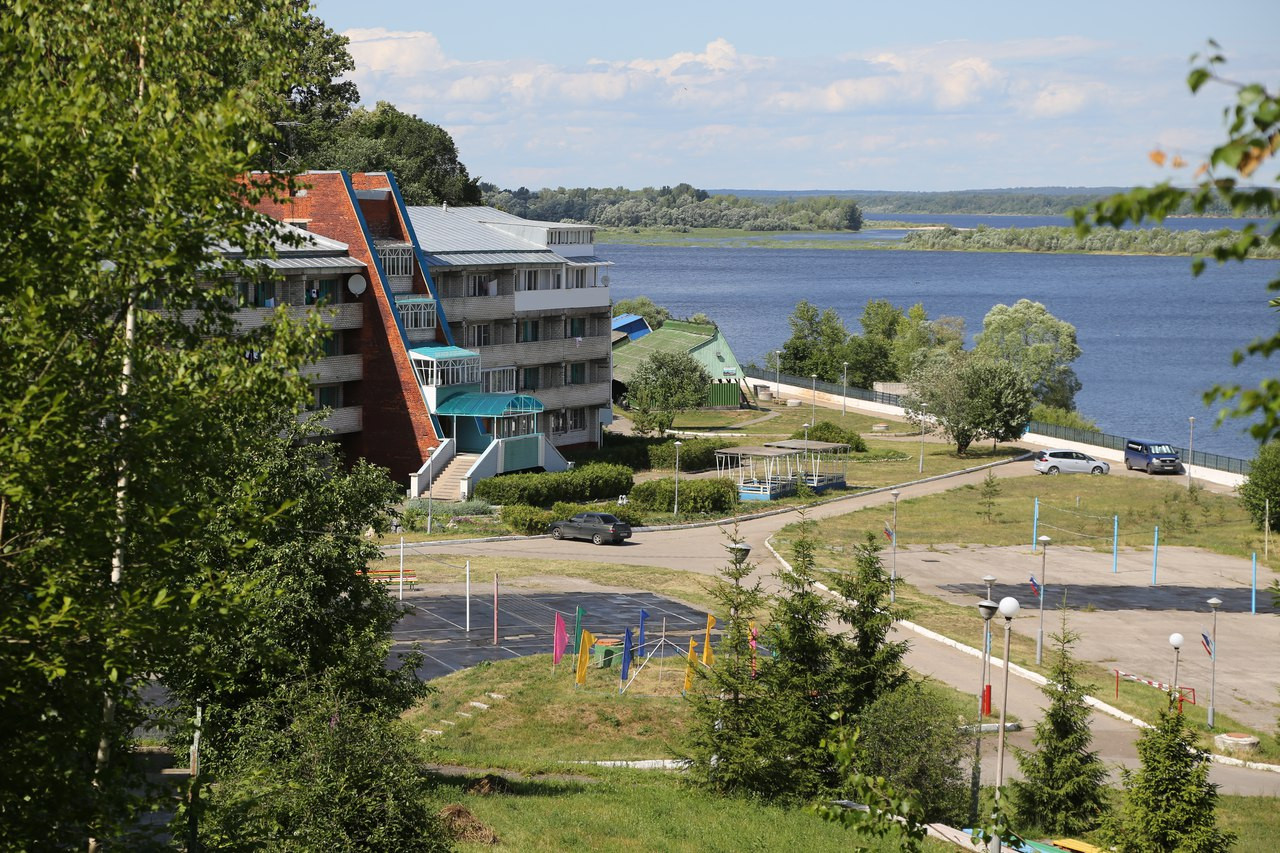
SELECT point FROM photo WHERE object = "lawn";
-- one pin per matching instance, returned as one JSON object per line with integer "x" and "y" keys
{"x": 787, "y": 420}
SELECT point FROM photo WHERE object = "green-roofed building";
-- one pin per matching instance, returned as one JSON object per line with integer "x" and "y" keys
{"x": 702, "y": 341}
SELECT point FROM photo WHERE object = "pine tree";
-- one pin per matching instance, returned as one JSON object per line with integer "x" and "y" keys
{"x": 1063, "y": 788}
{"x": 870, "y": 666}
{"x": 732, "y": 745}
{"x": 1169, "y": 801}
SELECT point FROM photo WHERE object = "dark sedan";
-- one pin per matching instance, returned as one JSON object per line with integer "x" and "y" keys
{"x": 599, "y": 527}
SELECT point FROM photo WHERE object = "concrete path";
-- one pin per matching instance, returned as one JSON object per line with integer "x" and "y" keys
{"x": 1139, "y": 637}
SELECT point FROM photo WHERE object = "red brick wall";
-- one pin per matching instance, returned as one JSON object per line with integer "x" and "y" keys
{"x": 397, "y": 431}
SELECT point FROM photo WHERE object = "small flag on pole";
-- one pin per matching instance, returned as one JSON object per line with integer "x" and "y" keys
{"x": 585, "y": 642}
{"x": 707, "y": 655}
{"x": 688, "y": 669}
{"x": 644, "y": 614}
{"x": 577, "y": 629}
{"x": 626, "y": 655}
{"x": 888, "y": 533}
{"x": 753, "y": 642}
{"x": 1207, "y": 643}
{"x": 559, "y": 639}
{"x": 1035, "y": 587}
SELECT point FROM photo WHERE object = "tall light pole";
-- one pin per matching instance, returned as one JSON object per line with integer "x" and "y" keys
{"x": 923, "y": 406}
{"x": 1191, "y": 451}
{"x": 813, "y": 401}
{"x": 893, "y": 565}
{"x": 777, "y": 374}
{"x": 431, "y": 472}
{"x": 806, "y": 450}
{"x": 1214, "y": 603}
{"x": 987, "y": 609}
{"x": 1008, "y": 609}
{"x": 1175, "y": 640}
{"x": 844, "y": 394}
{"x": 1044, "y": 586}
{"x": 990, "y": 581}
{"x": 676, "y": 511}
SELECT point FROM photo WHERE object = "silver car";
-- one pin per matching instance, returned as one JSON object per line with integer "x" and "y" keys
{"x": 1069, "y": 462}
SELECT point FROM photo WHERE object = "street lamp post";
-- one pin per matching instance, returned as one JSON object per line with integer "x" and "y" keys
{"x": 1008, "y": 609}
{"x": 893, "y": 565}
{"x": 844, "y": 394}
{"x": 431, "y": 475}
{"x": 806, "y": 458}
{"x": 1044, "y": 587}
{"x": 1175, "y": 640}
{"x": 1191, "y": 450}
{"x": 813, "y": 400}
{"x": 676, "y": 511}
{"x": 923, "y": 406}
{"x": 987, "y": 609}
{"x": 990, "y": 581}
{"x": 777, "y": 374}
{"x": 1214, "y": 603}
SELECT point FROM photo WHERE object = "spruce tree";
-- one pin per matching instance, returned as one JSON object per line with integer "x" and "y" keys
{"x": 869, "y": 665}
{"x": 1063, "y": 788}
{"x": 1169, "y": 801}
{"x": 732, "y": 745}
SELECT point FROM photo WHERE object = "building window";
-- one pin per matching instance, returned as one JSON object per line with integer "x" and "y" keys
{"x": 527, "y": 331}
{"x": 529, "y": 377}
{"x": 259, "y": 294}
{"x": 577, "y": 419}
{"x": 528, "y": 279}
{"x": 516, "y": 425}
{"x": 577, "y": 327}
{"x": 417, "y": 315}
{"x": 559, "y": 421}
{"x": 576, "y": 373}
{"x": 499, "y": 380}
{"x": 325, "y": 290}
{"x": 396, "y": 260}
{"x": 481, "y": 284}
{"x": 577, "y": 278}
{"x": 479, "y": 335}
{"x": 448, "y": 371}
{"x": 331, "y": 345}
{"x": 327, "y": 397}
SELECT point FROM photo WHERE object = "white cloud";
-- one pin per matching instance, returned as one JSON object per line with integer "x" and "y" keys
{"x": 399, "y": 54}
{"x": 1058, "y": 99}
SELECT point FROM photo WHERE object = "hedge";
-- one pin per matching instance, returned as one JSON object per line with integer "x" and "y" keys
{"x": 590, "y": 482}
{"x": 696, "y": 454}
{"x": 719, "y": 495}
{"x": 827, "y": 431}
{"x": 527, "y": 520}
{"x": 631, "y": 515}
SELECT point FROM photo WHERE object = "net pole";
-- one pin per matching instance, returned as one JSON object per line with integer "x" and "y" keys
{"x": 1115, "y": 544}
{"x": 1035, "y": 524}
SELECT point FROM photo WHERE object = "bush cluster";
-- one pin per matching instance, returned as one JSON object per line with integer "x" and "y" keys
{"x": 719, "y": 495}
{"x": 828, "y": 431}
{"x": 696, "y": 454}
{"x": 590, "y": 482}
{"x": 414, "y": 514}
{"x": 526, "y": 520}
{"x": 630, "y": 514}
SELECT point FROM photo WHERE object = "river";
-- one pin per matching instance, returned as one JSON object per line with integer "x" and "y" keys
{"x": 1154, "y": 338}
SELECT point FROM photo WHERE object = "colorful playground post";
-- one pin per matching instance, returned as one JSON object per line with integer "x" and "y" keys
{"x": 1115, "y": 544}
{"x": 1155, "y": 554}
{"x": 1035, "y": 524}
{"x": 1253, "y": 593}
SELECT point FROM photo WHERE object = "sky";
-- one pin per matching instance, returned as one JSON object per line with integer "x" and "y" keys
{"x": 798, "y": 95}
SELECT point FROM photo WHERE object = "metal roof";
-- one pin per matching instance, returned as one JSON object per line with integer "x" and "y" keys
{"x": 317, "y": 266}
{"x": 449, "y": 230}
{"x": 801, "y": 444}
{"x": 478, "y": 259}
{"x": 759, "y": 452}
{"x": 476, "y": 404}
{"x": 437, "y": 352}
{"x": 588, "y": 261}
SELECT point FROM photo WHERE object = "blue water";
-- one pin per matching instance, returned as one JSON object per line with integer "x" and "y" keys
{"x": 1153, "y": 337}
{"x": 967, "y": 220}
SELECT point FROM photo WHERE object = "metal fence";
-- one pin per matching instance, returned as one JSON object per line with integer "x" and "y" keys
{"x": 1199, "y": 458}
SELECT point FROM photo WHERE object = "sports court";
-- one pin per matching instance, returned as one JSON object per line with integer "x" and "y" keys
{"x": 526, "y": 621}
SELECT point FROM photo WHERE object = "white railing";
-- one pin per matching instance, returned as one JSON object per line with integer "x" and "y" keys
{"x": 482, "y": 469}
{"x": 439, "y": 459}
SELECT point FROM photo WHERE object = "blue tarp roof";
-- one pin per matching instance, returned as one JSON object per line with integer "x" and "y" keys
{"x": 623, "y": 319}
{"x": 441, "y": 351}
{"x": 475, "y": 404}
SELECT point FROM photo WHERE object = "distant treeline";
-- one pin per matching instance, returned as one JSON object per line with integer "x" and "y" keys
{"x": 681, "y": 206}
{"x": 1153, "y": 241}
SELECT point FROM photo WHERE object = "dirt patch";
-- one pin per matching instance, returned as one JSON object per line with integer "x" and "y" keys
{"x": 463, "y": 825}
{"x": 489, "y": 784}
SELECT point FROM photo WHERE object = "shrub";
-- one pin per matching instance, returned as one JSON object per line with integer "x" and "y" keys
{"x": 527, "y": 520}
{"x": 827, "y": 431}
{"x": 719, "y": 495}
{"x": 414, "y": 514}
{"x": 696, "y": 454}
{"x": 1263, "y": 485}
{"x": 631, "y": 515}
{"x": 590, "y": 482}
{"x": 1059, "y": 416}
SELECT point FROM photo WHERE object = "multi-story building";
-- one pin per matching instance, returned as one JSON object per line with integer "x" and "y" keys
{"x": 482, "y": 343}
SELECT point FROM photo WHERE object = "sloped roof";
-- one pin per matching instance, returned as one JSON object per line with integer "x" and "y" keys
{"x": 475, "y": 404}
{"x": 669, "y": 338}
{"x": 456, "y": 229}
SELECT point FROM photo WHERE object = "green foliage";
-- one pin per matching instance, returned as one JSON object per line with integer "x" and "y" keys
{"x": 589, "y": 482}
{"x": 828, "y": 431}
{"x": 871, "y": 664}
{"x": 988, "y": 494}
{"x": 420, "y": 154}
{"x": 125, "y": 129}
{"x": 625, "y": 512}
{"x": 970, "y": 398}
{"x": 680, "y": 207}
{"x": 1144, "y": 241}
{"x": 1263, "y": 486}
{"x": 654, "y": 315}
{"x": 1252, "y": 125}
{"x": 696, "y": 454}
{"x": 415, "y": 513}
{"x": 316, "y": 771}
{"x": 527, "y": 520}
{"x": 910, "y": 738}
{"x": 1062, "y": 417}
{"x": 1168, "y": 804}
{"x": 1043, "y": 347}
{"x": 697, "y": 497}
{"x": 663, "y": 384}
{"x": 890, "y": 814}
{"x": 1063, "y": 788}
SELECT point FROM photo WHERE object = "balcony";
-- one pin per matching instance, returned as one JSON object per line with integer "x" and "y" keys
{"x": 542, "y": 352}
{"x": 346, "y": 316}
{"x": 562, "y": 300}
{"x": 347, "y": 419}
{"x": 338, "y": 368}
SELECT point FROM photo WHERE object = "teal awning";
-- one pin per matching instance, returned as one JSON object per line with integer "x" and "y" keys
{"x": 439, "y": 352}
{"x": 477, "y": 405}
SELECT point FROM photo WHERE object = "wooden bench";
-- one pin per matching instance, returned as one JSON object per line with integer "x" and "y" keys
{"x": 393, "y": 576}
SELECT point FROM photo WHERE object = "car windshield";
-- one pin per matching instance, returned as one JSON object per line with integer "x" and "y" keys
{"x": 1161, "y": 448}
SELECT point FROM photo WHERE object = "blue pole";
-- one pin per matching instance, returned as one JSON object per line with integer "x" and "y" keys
{"x": 1035, "y": 525}
{"x": 1253, "y": 597}
{"x": 1115, "y": 544}
{"x": 1155, "y": 555}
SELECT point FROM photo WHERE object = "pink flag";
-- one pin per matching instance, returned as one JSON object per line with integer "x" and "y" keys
{"x": 559, "y": 639}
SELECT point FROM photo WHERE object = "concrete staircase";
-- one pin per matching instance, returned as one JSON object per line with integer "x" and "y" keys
{"x": 448, "y": 483}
